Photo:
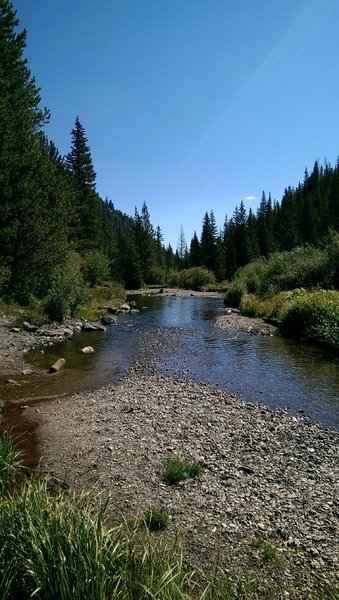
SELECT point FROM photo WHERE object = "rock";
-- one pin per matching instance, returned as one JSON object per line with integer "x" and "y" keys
{"x": 112, "y": 310}
{"x": 125, "y": 307}
{"x": 87, "y": 350}
{"x": 89, "y": 326}
{"x": 108, "y": 320}
{"x": 12, "y": 382}
{"x": 68, "y": 332}
{"x": 28, "y": 327}
{"x": 26, "y": 371}
{"x": 15, "y": 330}
{"x": 57, "y": 365}
{"x": 134, "y": 311}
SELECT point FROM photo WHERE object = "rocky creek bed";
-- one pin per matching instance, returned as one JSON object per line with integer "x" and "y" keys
{"x": 268, "y": 477}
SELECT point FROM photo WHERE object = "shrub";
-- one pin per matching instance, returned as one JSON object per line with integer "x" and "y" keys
{"x": 112, "y": 293}
{"x": 314, "y": 316}
{"x": 96, "y": 268}
{"x": 156, "y": 276}
{"x": 302, "y": 267}
{"x": 194, "y": 278}
{"x": 235, "y": 293}
{"x": 67, "y": 289}
{"x": 177, "y": 469}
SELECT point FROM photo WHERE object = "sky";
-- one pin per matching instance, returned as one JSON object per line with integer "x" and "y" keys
{"x": 189, "y": 105}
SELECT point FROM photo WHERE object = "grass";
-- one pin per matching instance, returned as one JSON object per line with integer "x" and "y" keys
{"x": 156, "y": 519}
{"x": 54, "y": 545}
{"x": 111, "y": 294}
{"x": 178, "y": 469}
{"x": 10, "y": 461}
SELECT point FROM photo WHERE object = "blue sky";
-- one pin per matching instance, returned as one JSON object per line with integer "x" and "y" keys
{"x": 189, "y": 105}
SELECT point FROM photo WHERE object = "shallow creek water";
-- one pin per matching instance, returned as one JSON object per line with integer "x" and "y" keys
{"x": 180, "y": 336}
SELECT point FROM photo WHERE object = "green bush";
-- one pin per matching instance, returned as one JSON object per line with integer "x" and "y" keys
{"x": 96, "y": 268}
{"x": 314, "y": 316}
{"x": 67, "y": 289}
{"x": 193, "y": 279}
{"x": 305, "y": 267}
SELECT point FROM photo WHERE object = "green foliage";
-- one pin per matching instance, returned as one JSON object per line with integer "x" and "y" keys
{"x": 10, "y": 461}
{"x": 268, "y": 553}
{"x": 193, "y": 279}
{"x": 156, "y": 519}
{"x": 55, "y": 546}
{"x": 302, "y": 267}
{"x": 177, "y": 469}
{"x": 314, "y": 316}
{"x": 110, "y": 294}
{"x": 67, "y": 289}
{"x": 235, "y": 293}
{"x": 156, "y": 276}
{"x": 96, "y": 268}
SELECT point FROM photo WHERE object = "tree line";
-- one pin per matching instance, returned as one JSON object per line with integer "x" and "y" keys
{"x": 304, "y": 215}
{"x": 54, "y": 224}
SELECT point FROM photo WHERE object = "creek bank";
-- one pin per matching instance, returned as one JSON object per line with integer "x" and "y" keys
{"x": 266, "y": 475}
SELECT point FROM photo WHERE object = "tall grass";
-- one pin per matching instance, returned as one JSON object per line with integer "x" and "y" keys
{"x": 56, "y": 547}
{"x": 10, "y": 461}
{"x": 110, "y": 294}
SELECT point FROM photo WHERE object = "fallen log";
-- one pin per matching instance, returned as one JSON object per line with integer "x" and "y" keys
{"x": 57, "y": 365}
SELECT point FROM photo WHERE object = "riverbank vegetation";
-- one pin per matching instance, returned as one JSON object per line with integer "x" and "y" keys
{"x": 296, "y": 289}
{"x": 54, "y": 545}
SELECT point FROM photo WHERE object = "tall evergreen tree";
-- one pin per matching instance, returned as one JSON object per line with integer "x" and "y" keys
{"x": 33, "y": 202}
{"x": 87, "y": 204}
{"x": 182, "y": 249}
{"x": 208, "y": 241}
{"x": 195, "y": 254}
{"x": 145, "y": 243}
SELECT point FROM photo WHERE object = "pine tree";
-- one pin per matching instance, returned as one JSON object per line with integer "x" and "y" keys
{"x": 195, "y": 254}
{"x": 145, "y": 243}
{"x": 33, "y": 197}
{"x": 240, "y": 235}
{"x": 182, "y": 249}
{"x": 87, "y": 204}
{"x": 208, "y": 241}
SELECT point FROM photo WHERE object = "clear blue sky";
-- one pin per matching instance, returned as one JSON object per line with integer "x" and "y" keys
{"x": 190, "y": 105}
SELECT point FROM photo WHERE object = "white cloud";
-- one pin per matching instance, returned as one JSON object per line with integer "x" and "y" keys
{"x": 250, "y": 198}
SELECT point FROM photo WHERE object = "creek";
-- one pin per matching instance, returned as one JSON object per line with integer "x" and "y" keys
{"x": 181, "y": 339}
